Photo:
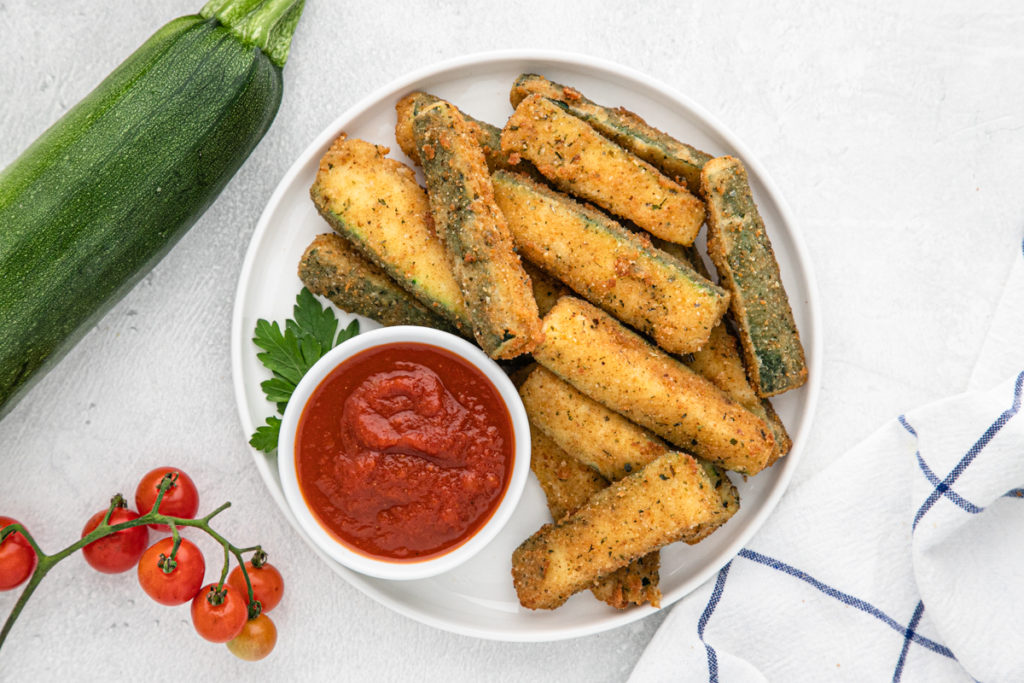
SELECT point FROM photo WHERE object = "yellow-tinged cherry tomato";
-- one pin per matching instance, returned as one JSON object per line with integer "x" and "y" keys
{"x": 256, "y": 640}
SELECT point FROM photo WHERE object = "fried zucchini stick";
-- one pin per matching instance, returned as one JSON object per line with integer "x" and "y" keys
{"x": 666, "y": 500}
{"x": 720, "y": 361}
{"x": 332, "y": 268}
{"x": 488, "y": 136}
{"x": 568, "y": 485}
{"x": 593, "y": 434}
{"x": 546, "y": 289}
{"x": 376, "y": 204}
{"x": 480, "y": 252}
{"x": 579, "y": 160}
{"x": 742, "y": 253}
{"x": 603, "y": 439}
{"x": 610, "y": 266}
{"x": 596, "y": 354}
{"x": 677, "y": 160}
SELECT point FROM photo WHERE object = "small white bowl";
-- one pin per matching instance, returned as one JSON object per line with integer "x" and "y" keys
{"x": 435, "y": 564}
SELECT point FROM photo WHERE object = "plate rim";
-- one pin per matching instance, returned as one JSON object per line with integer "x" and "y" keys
{"x": 696, "y": 111}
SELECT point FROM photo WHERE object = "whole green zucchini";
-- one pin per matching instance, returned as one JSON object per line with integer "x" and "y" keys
{"x": 95, "y": 202}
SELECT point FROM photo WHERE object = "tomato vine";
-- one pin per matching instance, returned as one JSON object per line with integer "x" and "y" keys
{"x": 46, "y": 562}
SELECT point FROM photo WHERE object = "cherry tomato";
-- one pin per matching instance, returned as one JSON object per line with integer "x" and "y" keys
{"x": 267, "y": 584}
{"x": 181, "y": 500}
{"x": 17, "y": 558}
{"x": 256, "y": 640}
{"x": 182, "y": 584}
{"x": 219, "y": 623}
{"x": 119, "y": 551}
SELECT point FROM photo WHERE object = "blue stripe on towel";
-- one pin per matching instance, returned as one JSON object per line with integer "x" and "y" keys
{"x": 907, "y": 635}
{"x": 959, "y": 500}
{"x": 716, "y": 595}
{"x": 906, "y": 425}
{"x": 846, "y": 599}
{"x": 971, "y": 454}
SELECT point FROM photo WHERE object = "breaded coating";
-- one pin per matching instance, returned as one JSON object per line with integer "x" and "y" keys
{"x": 720, "y": 361}
{"x": 742, "y": 252}
{"x": 660, "y": 504}
{"x": 595, "y": 435}
{"x": 677, "y": 160}
{"x": 596, "y": 354}
{"x": 494, "y": 285}
{"x": 488, "y": 136}
{"x": 604, "y": 440}
{"x": 609, "y": 265}
{"x": 375, "y": 203}
{"x": 332, "y": 268}
{"x": 568, "y": 485}
{"x": 579, "y": 160}
{"x": 546, "y": 289}
{"x": 634, "y": 584}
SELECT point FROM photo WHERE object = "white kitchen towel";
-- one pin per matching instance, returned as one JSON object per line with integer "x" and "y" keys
{"x": 903, "y": 561}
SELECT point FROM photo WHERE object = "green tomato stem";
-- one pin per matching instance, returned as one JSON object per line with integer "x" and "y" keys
{"x": 47, "y": 562}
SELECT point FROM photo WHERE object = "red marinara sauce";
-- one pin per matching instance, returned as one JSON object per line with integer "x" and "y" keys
{"x": 403, "y": 451}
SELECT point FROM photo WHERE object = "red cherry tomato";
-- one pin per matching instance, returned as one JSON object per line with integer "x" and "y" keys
{"x": 119, "y": 551}
{"x": 17, "y": 558}
{"x": 256, "y": 640}
{"x": 222, "y": 622}
{"x": 181, "y": 500}
{"x": 267, "y": 584}
{"x": 182, "y": 584}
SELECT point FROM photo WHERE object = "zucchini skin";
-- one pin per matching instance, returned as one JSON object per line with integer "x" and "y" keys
{"x": 742, "y": 252}
{"x": 479, "y": 246}
{"x": 720, "y": 361}
{"x": 105, "y": 192}
{"x": 488, "y": 136}
{"x": 332, "y": 268}
{"x": 578, "y": 160}
{"x": 375, "y": 203}
{"x": 676, "y": 159}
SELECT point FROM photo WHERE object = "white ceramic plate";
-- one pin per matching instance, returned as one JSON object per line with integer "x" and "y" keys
{"x": 477, "y": 599}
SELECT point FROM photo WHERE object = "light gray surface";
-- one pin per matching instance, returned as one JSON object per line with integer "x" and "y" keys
{"x": 893, "y": 130}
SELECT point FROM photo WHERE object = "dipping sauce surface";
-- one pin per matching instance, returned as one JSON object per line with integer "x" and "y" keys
{"x": 404, "y": 451}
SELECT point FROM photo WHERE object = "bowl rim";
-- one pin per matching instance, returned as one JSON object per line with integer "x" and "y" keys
{"x": 457, "y": 555}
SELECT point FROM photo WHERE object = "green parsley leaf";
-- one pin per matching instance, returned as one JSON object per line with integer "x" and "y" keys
{"x": 265, "y": 437}
{"x": 349, "y": 332}
{"x": 313, "y": 320}
{"x": 290, "y": 353}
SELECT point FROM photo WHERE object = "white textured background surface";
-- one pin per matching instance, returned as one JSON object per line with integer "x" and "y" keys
{"x": 894, "y": 130}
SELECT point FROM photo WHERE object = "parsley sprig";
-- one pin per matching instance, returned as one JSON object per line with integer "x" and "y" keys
{"x": 289, "y": 354}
